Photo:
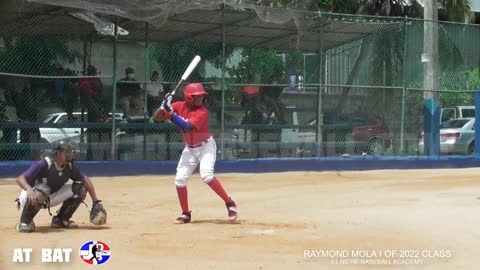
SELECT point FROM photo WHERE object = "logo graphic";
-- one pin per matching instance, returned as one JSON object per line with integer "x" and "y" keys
{"x": 95, "y": 252}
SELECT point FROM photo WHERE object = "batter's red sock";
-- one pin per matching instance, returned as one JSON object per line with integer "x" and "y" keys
{"x": 217, "y": 187}
{"x": 183, "y": 198}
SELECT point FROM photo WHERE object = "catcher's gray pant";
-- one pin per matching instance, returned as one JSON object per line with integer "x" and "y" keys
{"x": 63, "y": 194}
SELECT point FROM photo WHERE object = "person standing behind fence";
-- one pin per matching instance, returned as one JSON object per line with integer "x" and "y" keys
{"x": 91, "y": 98}
{"x": 70, "y": 95}
{"x": 65, "y": 92}
{"x": 59, "y": 86}
{"x": 27, "y": 112}
{"x": 155, "y": 93}
{"x": 7, "y": 135}
{"x": 91, "y": 90}
{"x": 130, "y": 94}
{"x": 255, "y": 114}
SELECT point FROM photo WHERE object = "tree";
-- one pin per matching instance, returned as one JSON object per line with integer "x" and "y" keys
{"x": 258, "y": 66}
{"x": 33, "y": 55}
{"x": 173, "y": 58}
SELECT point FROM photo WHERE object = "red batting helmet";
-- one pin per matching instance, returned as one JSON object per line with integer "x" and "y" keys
{"x": 193, "y": 89}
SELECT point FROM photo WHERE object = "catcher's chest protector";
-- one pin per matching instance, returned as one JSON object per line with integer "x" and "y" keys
{"x": 55, "y": 179}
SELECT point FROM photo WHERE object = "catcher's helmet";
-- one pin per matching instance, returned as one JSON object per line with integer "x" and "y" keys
{"x": 193, "y": 89}
{"x": 64, "y": 146}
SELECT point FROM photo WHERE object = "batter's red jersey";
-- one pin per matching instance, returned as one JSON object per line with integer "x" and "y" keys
{"x": 198, "y": 117}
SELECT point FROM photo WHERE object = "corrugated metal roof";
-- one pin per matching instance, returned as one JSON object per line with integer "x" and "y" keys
{"x": 244, "y": 28}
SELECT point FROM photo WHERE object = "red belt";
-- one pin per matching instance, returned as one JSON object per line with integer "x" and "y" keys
{"x": 198, "y": 145}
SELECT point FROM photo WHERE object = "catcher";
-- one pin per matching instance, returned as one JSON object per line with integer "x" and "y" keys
{"x": 44, "y": 185}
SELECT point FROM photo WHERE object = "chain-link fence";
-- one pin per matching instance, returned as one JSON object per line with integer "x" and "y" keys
{"x": 281, "y": 83}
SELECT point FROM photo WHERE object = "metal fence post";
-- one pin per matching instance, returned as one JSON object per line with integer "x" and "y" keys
{"x": 145, "y": 100}
{"x": 402, "y": 113}
{"x": 114, "y": 91}
{"x": 222, "y": 110}
{"x": 319, "y": 137}
{"x": 477, "y": 123}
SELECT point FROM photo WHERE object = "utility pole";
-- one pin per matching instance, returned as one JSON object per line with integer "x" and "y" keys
{"x": 431, "y": 104}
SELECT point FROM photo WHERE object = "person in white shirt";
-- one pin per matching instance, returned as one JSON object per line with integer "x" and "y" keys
{"x": 155, "y": 93}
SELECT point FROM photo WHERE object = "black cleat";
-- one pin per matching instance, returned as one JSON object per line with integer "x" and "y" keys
{"x": 57, "y": 222}
{"x": 186, "y": 217}
{"x": 232, "y": 211}
{"x": 24, "y": 227}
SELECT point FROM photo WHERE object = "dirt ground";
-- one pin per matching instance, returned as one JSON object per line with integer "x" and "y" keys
{"x": 397, "y": 219}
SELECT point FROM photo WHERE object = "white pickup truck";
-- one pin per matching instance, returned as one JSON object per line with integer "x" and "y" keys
{"x": 456, "y": 112}
{"x": 291, "y": 135}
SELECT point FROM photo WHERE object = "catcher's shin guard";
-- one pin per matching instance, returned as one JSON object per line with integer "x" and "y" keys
{"x": 29, "y": 211}
{"x": 71, "y": 205}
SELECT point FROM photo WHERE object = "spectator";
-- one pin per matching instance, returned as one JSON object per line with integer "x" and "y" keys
{"x": 65, "y": 92}
{"x": 70, "y": 95}
{"x": 263, "y": 109}
{"x": 27, "y": 112}
{"x": 91, "y": 92}
{"x": 59, "y": 88}
{"x": 8, "y": 134}
{"x": 91, "y": 98}
{"x": 130, "y": 94}
{"x": 155, "y": 93}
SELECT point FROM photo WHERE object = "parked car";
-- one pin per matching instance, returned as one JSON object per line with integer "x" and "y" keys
{"x": 50, "y": 134}
{"x": 150, "y": 141}
{"x": 342, "y": 134}
{"x": 456, "y": 137}
{"x": 351, "y": 134}
{"x": 456, "y": 112}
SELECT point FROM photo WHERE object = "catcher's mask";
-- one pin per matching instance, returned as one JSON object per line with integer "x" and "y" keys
{"x": 66, "y": 147}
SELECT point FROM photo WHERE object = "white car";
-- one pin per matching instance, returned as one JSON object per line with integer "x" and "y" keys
{"x": 457, "y": 136}
{"x": 51, "y": 134}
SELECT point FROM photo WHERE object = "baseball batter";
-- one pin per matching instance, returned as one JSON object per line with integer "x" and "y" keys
{"x": 191, "y": 117}
{"x": 44, "y": 185}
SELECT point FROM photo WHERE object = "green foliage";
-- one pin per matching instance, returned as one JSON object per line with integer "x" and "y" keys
{"x": 473, "y": 79}
{"x": 449, "y": 99}
{"x": 456, "y": 11}
{"x": 455, "y": 99}
{"x": 259, "y": 65}
{"x": 33, "y": 55}
{"x": 277, "y": 3}
{"x": 175, "y": 57}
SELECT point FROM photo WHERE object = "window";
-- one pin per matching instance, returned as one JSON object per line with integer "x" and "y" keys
{"x": 468, "y": 113}
{"x": 50, "y": 119}
{"x": 448, "y": 114}
{"x": 454, "y": 123}
{"x": 64, "y": 118}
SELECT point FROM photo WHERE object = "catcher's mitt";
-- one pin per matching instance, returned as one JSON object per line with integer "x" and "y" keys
{"x": 98, "y": 214}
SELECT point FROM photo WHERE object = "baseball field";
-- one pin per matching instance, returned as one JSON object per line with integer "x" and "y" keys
{"x": 397, "y": 219}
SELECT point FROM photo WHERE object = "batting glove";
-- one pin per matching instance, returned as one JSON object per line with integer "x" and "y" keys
{"x": 167, "y": 103}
